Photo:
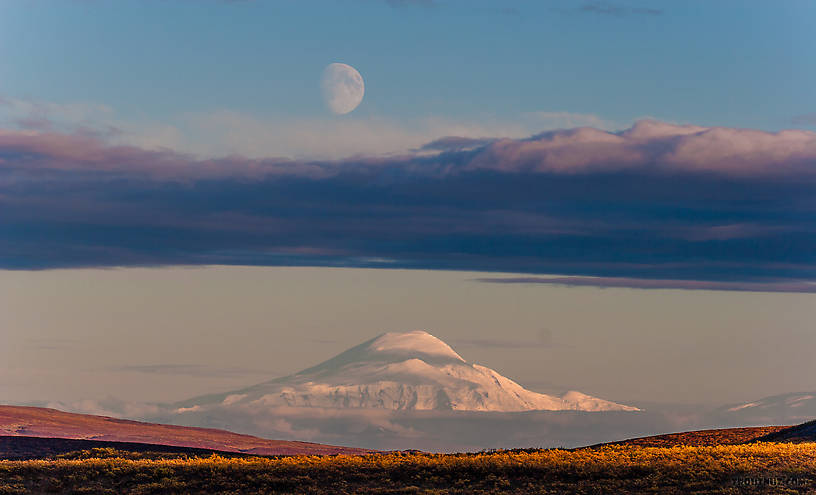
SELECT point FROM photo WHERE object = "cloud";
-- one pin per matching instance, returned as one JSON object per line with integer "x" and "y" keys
{"x": 655, "y": 144}
{"x": 386, "y": 429}
{"x": 648, "y": 144}
{"x": 439, "y": 431}
{"x": 544, "y": 338}
{"x": 634, "y": 283}
{"x": 187, "y": 370}
{"x": 424, "y": 430}
{"x": 405, "y": 3}
{"x": 508, "y": 11}
{"x": 565, "y": 120}
{"x": 805, "y": 119}
{"x": 38, "y": 115}
{"x": 219, "y": 133}
{"x": 110, "y": 406}
{"x": 654, "y": 201}
{"x": 498, "y": 343}
{"x": 617, "y": 10}
{"x": 455, "y": 143}
{"x": 51, "y": 343}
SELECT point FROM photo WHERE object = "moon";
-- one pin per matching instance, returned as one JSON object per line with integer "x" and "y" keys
{"x": 343, "y": 88}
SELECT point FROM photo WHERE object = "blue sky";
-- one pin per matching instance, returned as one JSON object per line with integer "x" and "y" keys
{"x": 729, "y": 63}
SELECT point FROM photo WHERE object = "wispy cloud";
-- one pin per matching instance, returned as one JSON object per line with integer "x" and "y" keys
{"x": 503, "y": 344}
{"x": 616, "y": 9}
{"x": 189, "y": 370}
{"x": 496, "y": 343}
{"x": 325, "y": 341}
{"x": 426, "y": 430}
{"x": 635, "y": 283}
{"x": 567, "y": 120}
{"x": 805, "y": 119}
{"x": 219, "y": 133}
{"x": 455, "y": 143}
{"x": 51, "y": 343}
{"x": 405, "y": 3}
{"x": 544, "y": 338}
{"x": 227, "y": 132}
{"x": 509, "y": 11}
{"x": 77, "y": 117}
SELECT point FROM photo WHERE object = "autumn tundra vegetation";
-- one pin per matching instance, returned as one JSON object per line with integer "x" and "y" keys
{"x": 625, "y": 468}
{"x": 770, "y": 459}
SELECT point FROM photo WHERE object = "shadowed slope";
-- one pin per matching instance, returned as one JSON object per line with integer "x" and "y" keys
{"x": 805, "y": 432}
{"x": 14, "y": 447}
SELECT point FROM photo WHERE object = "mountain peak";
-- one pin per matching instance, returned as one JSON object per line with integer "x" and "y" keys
{"x": 415, "y": 344}
{"x": 404, "y": 371}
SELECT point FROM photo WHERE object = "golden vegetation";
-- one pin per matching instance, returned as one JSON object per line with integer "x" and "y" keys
{"x": 758, "y": 468}
{"x": 723, "y": 436}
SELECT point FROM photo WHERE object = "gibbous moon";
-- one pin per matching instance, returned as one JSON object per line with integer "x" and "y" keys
{"x": 343, "y": 88}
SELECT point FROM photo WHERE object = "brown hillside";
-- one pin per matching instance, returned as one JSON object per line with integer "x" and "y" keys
{"x": 42, "y": 422}
{"x": 702, "y": 438}
{"x": 13, "y": 448}
{"x": 806, "y": 432}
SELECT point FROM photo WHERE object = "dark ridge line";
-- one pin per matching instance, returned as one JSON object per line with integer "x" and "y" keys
{"x": 21, "y": 447}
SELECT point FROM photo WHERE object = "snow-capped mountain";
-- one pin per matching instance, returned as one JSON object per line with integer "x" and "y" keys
{"x": 791, "y": 408}
{"x": 402, "y": 371}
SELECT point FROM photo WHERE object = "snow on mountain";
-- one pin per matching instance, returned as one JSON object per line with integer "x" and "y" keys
{"x": 788, "y": 408}
{"x": 403, "y": 371}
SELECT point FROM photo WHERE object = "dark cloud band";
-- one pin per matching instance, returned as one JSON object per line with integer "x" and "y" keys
{"x": 634, "y": 283}
{"x": 656, "y": 201}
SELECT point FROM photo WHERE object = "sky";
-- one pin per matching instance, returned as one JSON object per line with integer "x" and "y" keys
{"x": 168, "y": 334}
{"x": 630, "y": 174}
{"x": 217, "y": 77}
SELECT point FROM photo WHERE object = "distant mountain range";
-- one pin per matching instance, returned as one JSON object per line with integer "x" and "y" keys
{"x": 788, "y": 408}
{"x": 411, "y": 371}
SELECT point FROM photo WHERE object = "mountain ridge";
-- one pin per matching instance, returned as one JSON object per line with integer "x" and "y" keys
{"x": 402, "y": 371}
